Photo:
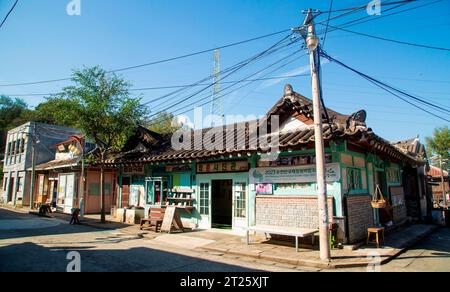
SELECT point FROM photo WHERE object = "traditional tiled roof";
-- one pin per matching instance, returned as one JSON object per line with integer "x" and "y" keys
{"x": 344, "y": 127}
{"x": 58, "y": 164}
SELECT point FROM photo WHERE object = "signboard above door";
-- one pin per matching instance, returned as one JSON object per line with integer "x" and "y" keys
{"x": 133, "y": 170}
{"x": 228, "y": 166}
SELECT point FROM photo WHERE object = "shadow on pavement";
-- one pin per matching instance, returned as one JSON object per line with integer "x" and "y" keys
{"x": 29, "y": 257}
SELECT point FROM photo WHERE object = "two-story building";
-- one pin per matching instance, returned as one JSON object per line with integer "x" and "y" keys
{"x": 19, "y": 157}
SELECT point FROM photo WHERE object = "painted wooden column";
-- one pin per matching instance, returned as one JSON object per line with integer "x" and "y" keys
{"x": 119, "y": 195}
{"x": 251, "y": 198}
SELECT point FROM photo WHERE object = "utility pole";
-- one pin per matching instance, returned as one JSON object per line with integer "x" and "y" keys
{"x": 312, "y": 42}
{"x": 441, "y": 166}
{"x": 33, "y": 163}
{"x": 81, "y": 143}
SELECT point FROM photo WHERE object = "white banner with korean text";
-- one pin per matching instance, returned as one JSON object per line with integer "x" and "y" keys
{"x": 293, "y": 174}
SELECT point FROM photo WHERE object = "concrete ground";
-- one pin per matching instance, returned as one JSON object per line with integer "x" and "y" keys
{"x": 430, "y": 255}
{"x": 30, "y": 243}
{"x": 45, "y": 244}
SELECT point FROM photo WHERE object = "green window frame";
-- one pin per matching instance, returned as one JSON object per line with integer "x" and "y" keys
{"x": 204, "y": 199}
{"x": 354, "y": 179}
{"x": 240, "y": 198}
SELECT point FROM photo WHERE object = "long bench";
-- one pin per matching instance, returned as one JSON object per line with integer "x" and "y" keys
{"x": 287, "y": 231}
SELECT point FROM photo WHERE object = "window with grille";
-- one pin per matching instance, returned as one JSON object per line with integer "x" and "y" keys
{"x": 354, "y": 179}
{"x": 240, "y": 196}
{"x": 204, "y": 199}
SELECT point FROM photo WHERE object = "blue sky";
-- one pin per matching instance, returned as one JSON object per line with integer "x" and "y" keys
{"x": 40, "y": 42}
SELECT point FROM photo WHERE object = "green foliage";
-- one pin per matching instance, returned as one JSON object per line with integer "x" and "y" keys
{"x": 102, "y": 107}
{"x": 162, "y": 124}
{"x": 12, "y": 112}
{"x": 439, "y": 144}
{"x": 57, "y": 111}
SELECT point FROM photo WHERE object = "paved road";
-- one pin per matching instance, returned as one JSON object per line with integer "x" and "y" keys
{"x": 29, "y": 243}
{"x": 430, "y": 255}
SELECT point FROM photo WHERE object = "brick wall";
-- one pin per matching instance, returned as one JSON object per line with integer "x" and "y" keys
{"x": 360, "y": 217}
{"x": 289, "y": 211}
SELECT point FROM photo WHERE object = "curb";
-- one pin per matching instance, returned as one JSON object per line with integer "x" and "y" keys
{"x": 331, "y": 265}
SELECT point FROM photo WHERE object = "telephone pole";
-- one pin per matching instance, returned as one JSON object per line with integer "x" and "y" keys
{"x": 441, "y": 166}
{"x": 34, "y": 141}
{"x": 312, "y": 43}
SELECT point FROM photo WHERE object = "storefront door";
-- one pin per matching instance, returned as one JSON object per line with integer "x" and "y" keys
{"x": 68, "y": 204}
{"x": 11, "y": 190}
{"x": 125, "y": 201}
{"x": 222, "y": 204}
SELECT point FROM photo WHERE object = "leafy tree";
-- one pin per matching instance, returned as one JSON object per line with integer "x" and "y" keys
{"x": 57, "y": 111}
{"x": 439, "y": 144}
{"x": 163, "y": 124}
{"x": 105, "y": 112}
{"x": 10, "y": 112}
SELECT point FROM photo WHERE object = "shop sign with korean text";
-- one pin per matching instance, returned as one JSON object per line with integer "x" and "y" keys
{"x": 217, "y": 167}
{"x": 293, "y": 174}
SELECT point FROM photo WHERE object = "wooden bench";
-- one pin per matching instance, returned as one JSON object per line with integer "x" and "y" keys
{"x": 155, "y": 218}
{"x": 288, "y": 231}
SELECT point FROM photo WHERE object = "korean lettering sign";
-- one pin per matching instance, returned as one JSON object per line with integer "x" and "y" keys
{"x": 296, "y": 174}
{"x": 229, "y": 166}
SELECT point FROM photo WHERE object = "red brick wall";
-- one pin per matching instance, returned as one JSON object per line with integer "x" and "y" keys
{"x": 360, "y": 217}
{"x": 289, "y": 211}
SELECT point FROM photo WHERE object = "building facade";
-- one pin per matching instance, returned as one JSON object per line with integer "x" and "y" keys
{"x": 60, "y": 183}
{"x": 19, "y": 157}
{"x": 248, "y": 183}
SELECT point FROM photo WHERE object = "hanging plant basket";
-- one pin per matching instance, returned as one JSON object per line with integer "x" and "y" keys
{"x": 380, "y": 204}
{"x": 378, "y": 200}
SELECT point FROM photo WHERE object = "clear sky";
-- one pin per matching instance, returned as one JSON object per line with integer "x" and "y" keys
{"x": 40, "y": 42}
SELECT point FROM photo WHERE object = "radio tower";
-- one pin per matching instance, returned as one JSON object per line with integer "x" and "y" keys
{"x": 216, "y": 99}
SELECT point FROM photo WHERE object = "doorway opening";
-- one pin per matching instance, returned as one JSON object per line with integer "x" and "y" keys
{"x": 126, "y": 181}
{"x": 10, "y": 190}
{"x": 222, "y": 204}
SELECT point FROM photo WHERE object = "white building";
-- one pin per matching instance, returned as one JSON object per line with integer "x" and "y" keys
{"x": 18, "y": 157}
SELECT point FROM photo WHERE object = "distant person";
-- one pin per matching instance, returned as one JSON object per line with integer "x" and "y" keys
{"x": 75, "y": 217}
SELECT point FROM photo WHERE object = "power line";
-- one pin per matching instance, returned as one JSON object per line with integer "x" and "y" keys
{"x": 237, "y": 82}
{"x": 174, "y": 86}
{"x": 389, "y": 88}
{"x": 157, "y": 62}
{"x": 364, "y": 6}
{"x": 328, "y": 23}
{"x": 180, "y": 91}
{"x": 389, "y": 40}
{"x": 232, "y": 72}
{"x": 368, "y": 18}
{"x": 233, "y": 69}
{"x": 9, "y": 12}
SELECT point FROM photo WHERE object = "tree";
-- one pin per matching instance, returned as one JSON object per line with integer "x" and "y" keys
{"x": 439, "y": 144}
{"x": 10, "y": 112}
{"x": 163, "y": 123}
{"x": 105, "y": 112}
{"x": 57, "y": 111}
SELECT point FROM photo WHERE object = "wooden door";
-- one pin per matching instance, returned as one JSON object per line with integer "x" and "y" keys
{"x": 125, "y": 192}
